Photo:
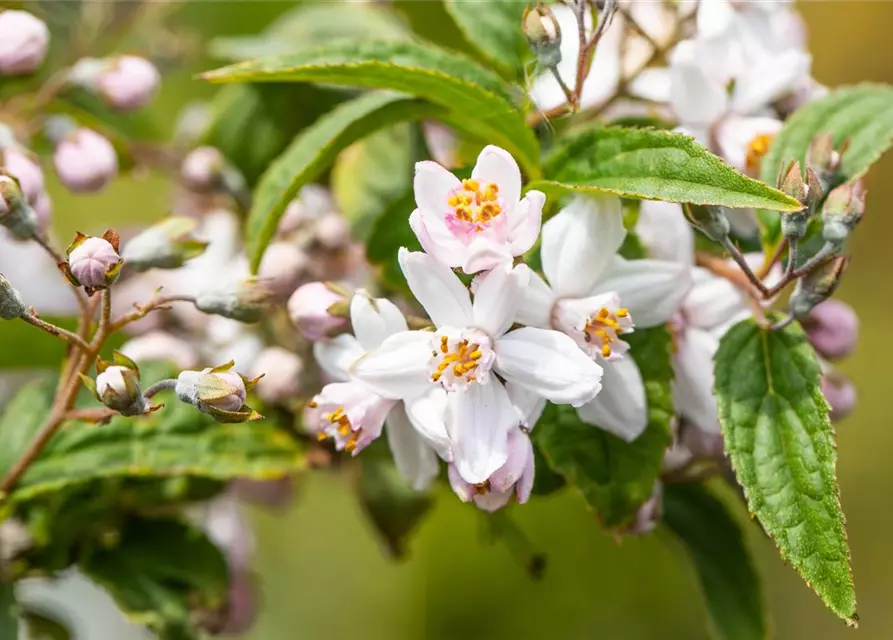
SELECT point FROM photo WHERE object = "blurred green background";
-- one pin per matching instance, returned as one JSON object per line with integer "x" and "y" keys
{"x": 324, "y": 576}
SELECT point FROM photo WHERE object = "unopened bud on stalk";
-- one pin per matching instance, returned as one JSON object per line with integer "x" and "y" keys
{"x": 840, "y": 392}
{"x": 125, "y": 82}
{"x": 85, "y": 161}
{"x": 791, "y": 183}
{"x": 832, "y": 328}
{"x": 711, "y": 220}
{"x": 244, "y": 300}
{"x": 282, "y": 268}
{"x": 23, "y": 42}
{"x": 318, "y": 309}
{"x": 11, "y": 304}
{"x": 332, "y": 231}
{"x": 843, "y": 210}
{"x": 543, "y": 33}
{"x": 93, "y": 263}
{"x": 24, "y": 166}
{"x": 117, "y": 386}
{"x": 220, "y": 392}
{"x": 206, "y": 171}
{"x": 282, "y": 381}
{"x": 15, "y": 213}
{"x": 165, "y": 245}
{"x": 817, "y": 286}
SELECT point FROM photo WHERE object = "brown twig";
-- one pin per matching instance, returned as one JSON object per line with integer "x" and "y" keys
{"x": 59, "y": 332}
{"x": 91, "y": 414}
{"x": 157, "y": 304}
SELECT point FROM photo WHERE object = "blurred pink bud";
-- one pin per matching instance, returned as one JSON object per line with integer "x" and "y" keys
{"x": 282, "y": 374}
{"x": 241, "y": 603}
{"x": 282, "y": 268}
{"x": 43, "y": 207}
{"x": 840, "y": 393}
{"x": 93, "y": 262}
{"x": 201, "y": 169}
{"x": 128, "y": 82}
{"x": 312, "y": 202}
{"x": 332, "y": 231}
{"x": 85, "y": 161}
{"x": 23, "y": 42}
{"x": 833, "y": 328}
{"x": 158, "y": 346}
{"x": 24, "y": 167}
{"x": 309, "y": 310}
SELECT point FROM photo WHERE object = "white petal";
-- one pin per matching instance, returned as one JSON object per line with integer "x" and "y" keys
{"x": 519, "y": 451}
{"x": 335, "y": 356}
{"x": 769, "y": 80}
{"x": 432, "y": 186}
{"x": 652, "y": 290}
{"x": 579, "y": 242}
{"x": 374, "y": 320}
{"x": 499, "y": 294}
{"x": 715, "y": 17}
{"x": 483, "y": 254}
{"x": 734, "y": 135}
{"x": 548, "y": 363}
{"x": 436, "y": 239}
{"x": 620, "y": 408}
{"x": 529, "y": 405}
{"x": 478, "y": 420}
{"x": 415, "y": 460}
{"x": 437, "y": 288}
{"x": 399, "y": 367}
{"x": 428, "y": 415}
{"x": 693, "y": 385}
{"x": 498, "y": 166}
{"x": 666, "y": 233}
{"x": 525, "y": 221}
{"x": 655, "y": 84}
{"x": 712, "y": 302}
{"x": 697, "y": 98}
{"x": 538, "y": 299}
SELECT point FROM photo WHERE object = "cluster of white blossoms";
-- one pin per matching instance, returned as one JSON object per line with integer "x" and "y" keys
{"x": 471, "y": 389}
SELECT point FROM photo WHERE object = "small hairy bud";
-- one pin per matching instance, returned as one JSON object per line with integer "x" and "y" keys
{"x": 843, "y": 210}
{"x": 93, "y": 263}
{"x": 711, "y": 220}
{"x": 832, "y": 328}
{"x": 124, "y": 82}
{"x": 282, "y": 381}
{"x": 85, "y": 161}
{"x": 117, "y": 386}
{"x": 543, "y": 34}
{"x": 220, "y": 392}
{"x": 23, "y": 42}
{"x": 840, "y": 392}
{"x": 15, "y": 213}
{"x": 168, "y": 244}
{"x": 792, "y": 183}
{"x": 202, "y": 169}
{"x": 24, "y": 166}
{"x": 317, "y": 309}
{"x": 11, "y": 304}
{"x": 817, "y": 286}
{"x": 245, "y": 300}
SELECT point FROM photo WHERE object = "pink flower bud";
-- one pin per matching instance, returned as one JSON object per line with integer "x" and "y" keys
{"x": 201, "y": 169}
{"x": 128, "y": 82}
{"x": 282, "y": 374}
{"x": 833, "y": 328}
{"x": 43, "y": 207}
{"x": 840, "y": 393}
{"x": 309, "y": 307}
{"x": 85, "y": 161}
{"x": 220, "y": 392}
{"x": 93, "y": 262}
{"x": 24, "y": 167}
{"x": 332, "y": 231}
{"x": 282, "y": 268}
{"x": 23, "y": 42}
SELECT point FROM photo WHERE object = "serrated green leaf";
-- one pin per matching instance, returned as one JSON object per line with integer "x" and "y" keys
{"x": 615, "y": 476}
{"x": 781, "y": 443}
{"x": 654, "y": 165}
{"x": 481, "y": 102}
{"x": 21, "y": 419}
{"x": 494, "y": 29}
{"x": 163, "y": 574}
{"x": 314, "y": 24}
{"x": 714, "y": 542}
{"x": 9, "y": 618}
{"x": 862, "y": 114}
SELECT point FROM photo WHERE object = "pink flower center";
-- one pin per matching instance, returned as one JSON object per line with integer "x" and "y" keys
{"x": 603, "y": 327}
{"x": 475, "y": 205}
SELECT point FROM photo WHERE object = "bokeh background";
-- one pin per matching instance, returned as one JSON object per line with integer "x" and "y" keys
{"x": 324, "y": 575}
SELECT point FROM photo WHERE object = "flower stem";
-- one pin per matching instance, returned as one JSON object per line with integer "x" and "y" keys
{"x": 53, "y": 330}
{"x": 159, "y": 303}
{"x": 738, "y": 257}
{"x": 161, "y": 385}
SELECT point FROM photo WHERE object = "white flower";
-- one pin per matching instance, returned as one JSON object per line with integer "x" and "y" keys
{"x": 353, "y": 415}
{"x": 472, "y": 342}
{"x": 595, "y": 296}
{"x": 479, "y": 223}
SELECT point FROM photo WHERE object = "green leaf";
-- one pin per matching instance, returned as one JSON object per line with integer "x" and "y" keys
{"x": 372, "y": 174}
{"x": 9, "y": 611}
{"x": 494, "y": 29}
{"x": 313, "y": 151}
{"x": 21, "y": 419}
{"x": 615, "y": 476}
{"x": 715, "y": 544}
{"x": 654, "y": 165}
{"x": 481, "y": 102}
{"x": 314, "y": 24}
{"x": 164, "y": 575}
{"x": 42, "y": 627}
{"x": 862, "y": 114}
{"x": 781, "y": 443}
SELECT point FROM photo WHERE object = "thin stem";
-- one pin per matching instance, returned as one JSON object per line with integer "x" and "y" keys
{"x": 738, "y": 257}
{"x": 142, "y": 311}
{"x": 781, "y": 324}
{"x": 91, "y": 414}
{"x": 568, "y": 93}
{"x": 105, "y": 315}
{"x": 159, "y": 386}
{"x": 767, "y": 265}
{"x": 792, "y": 258}
{"x": 805, "y": 268}
{"x": 53, "y": 330}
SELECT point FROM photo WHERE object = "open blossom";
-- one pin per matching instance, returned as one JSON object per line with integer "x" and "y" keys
{"x": 478, "y": 223}
{"x": 352, "y": 415}
{"x": 514, "y": 478}
{"x": 472, "y": 342}
{"x": 596, "y": 297}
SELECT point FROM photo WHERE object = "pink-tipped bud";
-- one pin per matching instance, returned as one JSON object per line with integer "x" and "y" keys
{"x": 840, "y": 393}
{"x": 24, "y": 167}
{"x": 220, "y": 392}
{"x": 315, "y": 309}
{"x": 281, "y": 371}
{"x": 332, "y": 231}
{"x": 832, "y": 328}
{"x": 23, "y": 43}
{"x": 128, "y": 82}
{"x": 93, "y": 263}
{"x": 202, "y": 169}
{"x": 282, "y": 267}
{"x": 85, "y": 161}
